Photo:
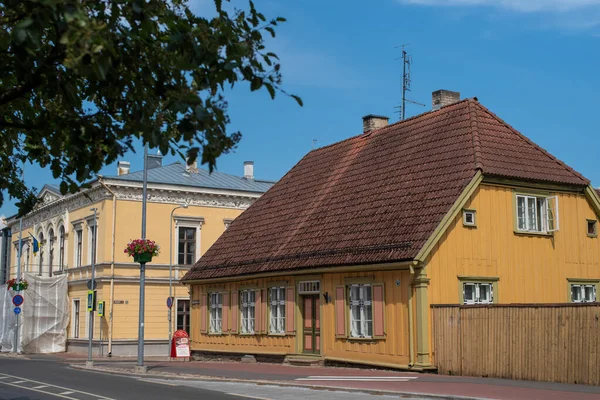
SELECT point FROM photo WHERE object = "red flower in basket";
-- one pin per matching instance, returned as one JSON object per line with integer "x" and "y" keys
{"x": 142, "y": 250}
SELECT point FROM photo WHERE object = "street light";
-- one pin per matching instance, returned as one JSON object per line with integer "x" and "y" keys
{"x": 140, "y": 367}
{"x": 171, "y": 269}
{"x": 90, "y": 362}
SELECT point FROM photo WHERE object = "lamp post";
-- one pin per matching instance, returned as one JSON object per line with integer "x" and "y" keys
{"x": 140, "y": 368}
{"x": 171, "y": 270}
{"x": 90, "y": 362}
{"x": 16, "y": 344}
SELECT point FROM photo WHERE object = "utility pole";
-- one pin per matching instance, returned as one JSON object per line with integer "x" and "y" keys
{"x": 140, "y": 361}
{"x": 16, "y": 344}
{"x": 90, "y": 362}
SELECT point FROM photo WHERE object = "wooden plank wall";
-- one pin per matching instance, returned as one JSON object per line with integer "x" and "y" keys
{"x": 549, "y": 342}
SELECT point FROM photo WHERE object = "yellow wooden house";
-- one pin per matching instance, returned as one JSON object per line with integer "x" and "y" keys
{"x": 188, "y": 209}
{"x": 342, "y": 259}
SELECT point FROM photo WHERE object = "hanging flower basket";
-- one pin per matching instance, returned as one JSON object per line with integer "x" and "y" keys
{"x": 142, "y": 250}
{"x": 17, "y": 285}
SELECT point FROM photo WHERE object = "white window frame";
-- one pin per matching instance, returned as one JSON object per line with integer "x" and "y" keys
{"x": 78, "y": 261}
{"x": 215, "y": 312}
{"x": 466, "y": 213}
{"x": 582, "y": 289}
{"x": 360, "y": 328}
{"x": 545, "y": 216}
{"x": 187, "y": 222}
{"x": 277, "y": 310}
{"x": 91, "y": 229}
{"x": 74, "y": 319}
{"x": 188, "y": 312}
{"x": 477, "y": 293}
{"x": 247, "y": 311}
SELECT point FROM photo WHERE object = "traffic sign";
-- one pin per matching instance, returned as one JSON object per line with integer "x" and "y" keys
{"x": 17, "y": 310}
{"x": 169, "y": 302}
{"x": 17, "y": 300}
{"x": 89, "y": 284}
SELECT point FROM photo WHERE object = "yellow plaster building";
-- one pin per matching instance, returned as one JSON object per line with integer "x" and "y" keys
{"x": 65, "y": 225}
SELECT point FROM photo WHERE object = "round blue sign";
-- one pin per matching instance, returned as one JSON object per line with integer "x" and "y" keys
{"x": 169, "y": 302}
{"x": 17, "y": 310}
{"x": 17, "y": 300}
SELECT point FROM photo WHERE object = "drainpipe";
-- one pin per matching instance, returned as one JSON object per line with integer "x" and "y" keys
{"x": 411, "y": 335}
{"x": 112, "y": 267}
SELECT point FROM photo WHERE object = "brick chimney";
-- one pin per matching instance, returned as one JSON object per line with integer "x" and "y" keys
{"x": 372, "y": 122}
{"x": 249, "y": 170}
{"x": 441, "y": 98}
{"x": 123, "y": 167}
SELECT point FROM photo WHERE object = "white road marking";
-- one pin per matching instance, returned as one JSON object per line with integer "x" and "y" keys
{"x": 44, "y": 385}
{"x": 359, "y": 378}
{"x": 247, "y": 397}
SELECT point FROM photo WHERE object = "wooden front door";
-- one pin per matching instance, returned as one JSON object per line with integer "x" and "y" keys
{"x": 311, "y": 324}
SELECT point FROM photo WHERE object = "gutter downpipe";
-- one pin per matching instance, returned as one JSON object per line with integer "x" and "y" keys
{"x": 411, "y": 335}
{"x": 112, "y": 267}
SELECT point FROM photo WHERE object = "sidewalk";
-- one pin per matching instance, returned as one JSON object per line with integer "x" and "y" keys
{"x": 347, "y": 378}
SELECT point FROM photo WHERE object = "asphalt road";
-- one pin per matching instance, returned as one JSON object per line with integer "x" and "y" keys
{"x": 49, "y": 380}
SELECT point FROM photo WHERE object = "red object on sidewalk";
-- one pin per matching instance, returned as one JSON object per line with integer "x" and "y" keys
{"x": 180, "y": 344}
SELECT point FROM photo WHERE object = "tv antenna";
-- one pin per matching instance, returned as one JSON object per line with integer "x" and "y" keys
{"x": 406, "y": 81}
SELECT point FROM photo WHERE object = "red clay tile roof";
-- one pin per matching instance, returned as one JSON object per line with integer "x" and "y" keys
{"x": 376, "y": 197}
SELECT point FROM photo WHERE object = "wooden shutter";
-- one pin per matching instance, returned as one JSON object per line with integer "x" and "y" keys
{"x": 378, "y": 311}
{"x": 225, "y": 309}
{"x": 340, "y": 312}
{"x": 290, "y": 308}
{"x": 203, "y": 313}
{"x": 258, "y": 317}
{"x": 235, "y": 312}
{"x": 263, "y": 310}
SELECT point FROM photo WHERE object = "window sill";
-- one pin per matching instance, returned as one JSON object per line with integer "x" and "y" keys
{"x": 217, "y": 333}
{"x": 542, "y": 234}
{"x": 592, "y": 236}
{"x": 277, "y": 334}
{"x": 248, "y": 334}
{"x": 364, "y": 340}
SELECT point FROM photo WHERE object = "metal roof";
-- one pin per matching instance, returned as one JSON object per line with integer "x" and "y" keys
{"x": 176, "y": 174}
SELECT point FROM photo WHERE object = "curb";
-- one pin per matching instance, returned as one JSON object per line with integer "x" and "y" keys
{"x": 15, "y": 356}
{"x": 189, "y": 377}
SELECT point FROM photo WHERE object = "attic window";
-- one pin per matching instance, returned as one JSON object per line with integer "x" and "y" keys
{"x": 537, "y": 214}
{"x": 592, "y": 228}
{"x": 469, "y": 218}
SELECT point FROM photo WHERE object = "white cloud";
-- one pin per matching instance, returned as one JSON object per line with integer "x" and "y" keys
{"x": 515, "y": 5}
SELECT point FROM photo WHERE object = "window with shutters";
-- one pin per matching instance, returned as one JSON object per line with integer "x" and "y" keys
{"x": 247, "y": 310}
{"x": 583, "y": 291}
{"x": 277, "y": 310}
{"x": 361, "y": 311}
{"x": 537, "y": 214}
{"x": 216, "y": 313}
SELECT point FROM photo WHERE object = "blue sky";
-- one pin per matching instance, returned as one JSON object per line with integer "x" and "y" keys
{"x": 534, "y": 63}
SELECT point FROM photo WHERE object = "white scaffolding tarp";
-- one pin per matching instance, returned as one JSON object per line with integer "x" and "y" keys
{"x": 44, "y": 317}
{"x": 7, "y": 320}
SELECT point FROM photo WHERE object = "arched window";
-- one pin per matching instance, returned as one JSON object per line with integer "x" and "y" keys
{"x": 50, "y": 251}
{"x": 61, "y": 247}
{"x": 41, "y": 259}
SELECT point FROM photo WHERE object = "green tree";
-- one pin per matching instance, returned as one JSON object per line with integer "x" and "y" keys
{"x": 80, "y": 80}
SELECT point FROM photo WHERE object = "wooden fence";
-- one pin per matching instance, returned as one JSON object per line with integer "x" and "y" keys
{"x": 545, "y": 342}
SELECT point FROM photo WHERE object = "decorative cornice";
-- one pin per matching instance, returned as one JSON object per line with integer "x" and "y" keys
{"x": 180, "y": 197}
{"x": 235, "y": 200}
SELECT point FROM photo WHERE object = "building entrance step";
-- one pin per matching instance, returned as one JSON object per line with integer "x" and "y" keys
{"x": 304, "y": 361}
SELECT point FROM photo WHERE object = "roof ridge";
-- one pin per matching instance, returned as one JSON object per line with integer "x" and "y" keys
{"x": 532, "y": 143}
{"x": 475, "y": 135}
{"x": 379, "y": 130}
